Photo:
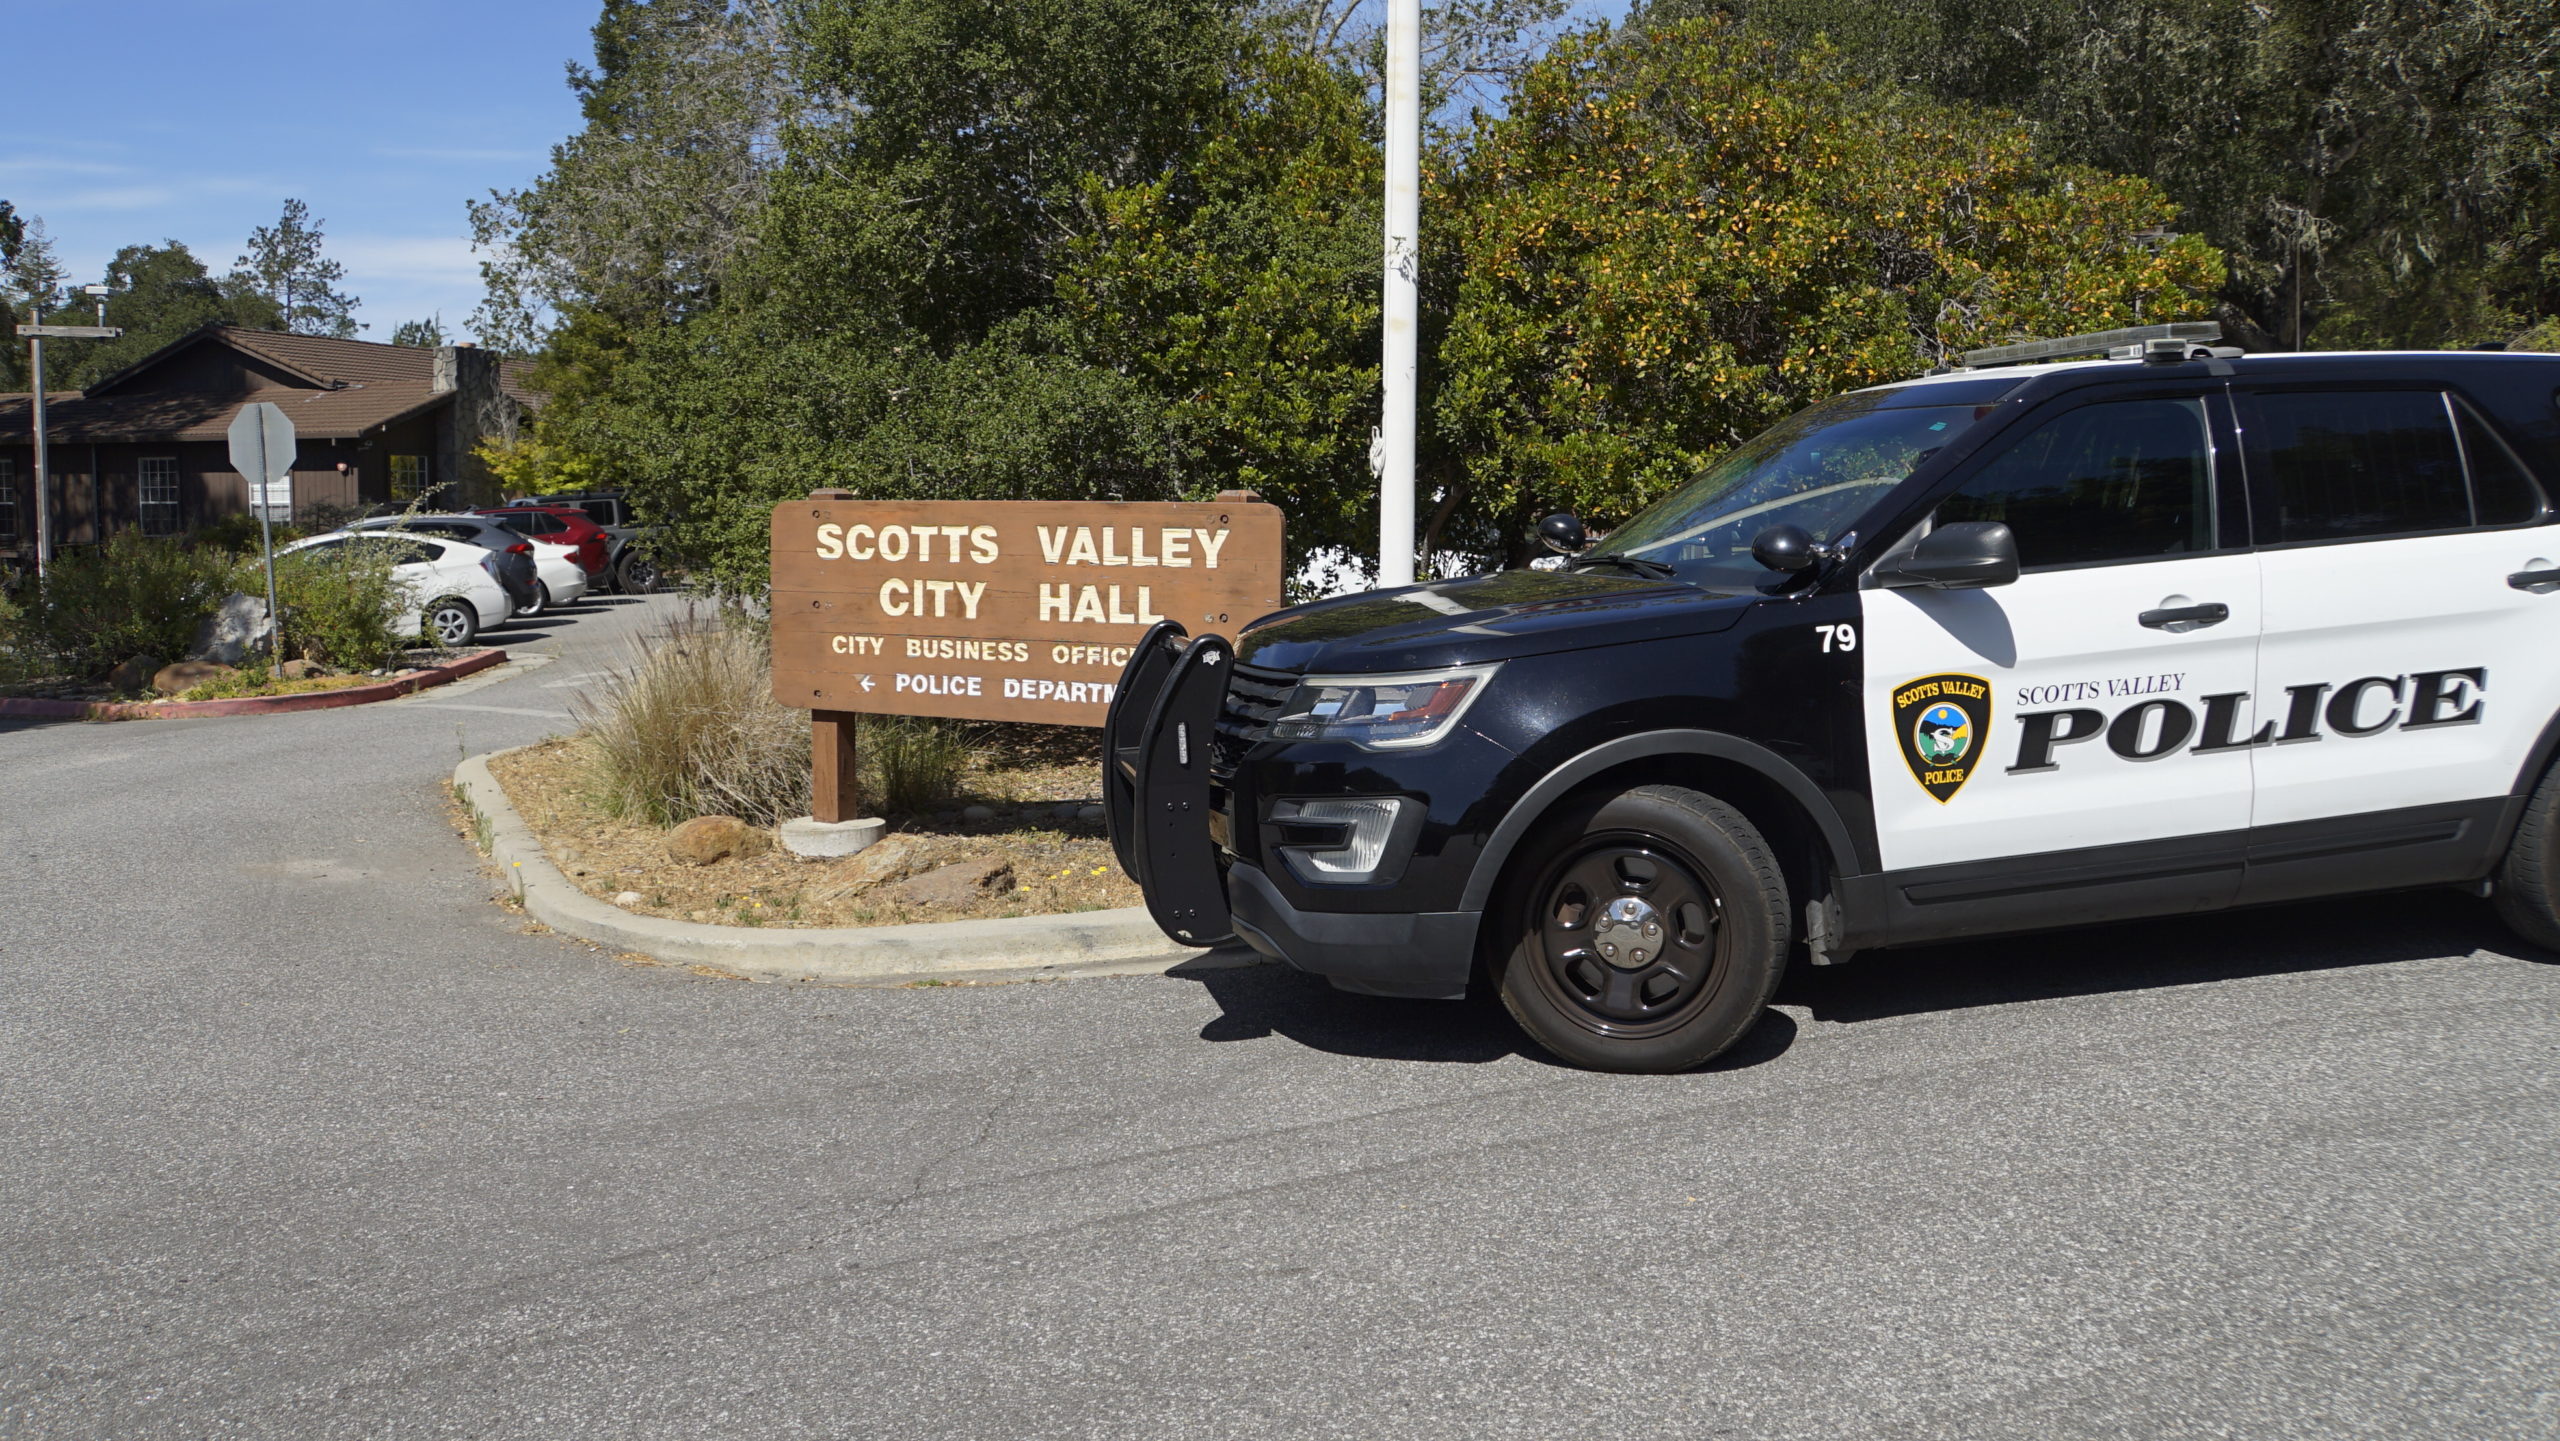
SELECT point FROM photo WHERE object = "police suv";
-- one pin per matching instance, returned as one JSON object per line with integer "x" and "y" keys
{"x": 2034, "y": 642}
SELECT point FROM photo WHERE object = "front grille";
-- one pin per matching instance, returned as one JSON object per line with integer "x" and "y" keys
{"x": 1254, "y": 697}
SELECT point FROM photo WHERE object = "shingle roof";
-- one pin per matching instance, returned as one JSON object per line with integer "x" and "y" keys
{"x": 356, "y": 386}
{"x": 192, "y": 415}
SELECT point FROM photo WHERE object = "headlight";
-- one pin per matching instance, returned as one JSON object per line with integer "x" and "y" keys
{"x": 1381, "y": 712}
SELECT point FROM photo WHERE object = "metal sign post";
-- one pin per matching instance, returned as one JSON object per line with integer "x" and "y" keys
{"x": 35, "y": 336}
{"x": 262, "y": 451}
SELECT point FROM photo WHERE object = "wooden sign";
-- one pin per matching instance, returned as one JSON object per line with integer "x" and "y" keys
{"x": 1001, "y": 610}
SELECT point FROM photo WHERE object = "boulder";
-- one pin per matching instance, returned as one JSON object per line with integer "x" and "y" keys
{"x": 705, "y": 839}
{"x": 959, "y": 883}
{"x": 186, "y": 675}
{"x": 298, "y": 669}
{"x": 886, "y": 859}
{"x": 134, "y": 676}
{"x": 236, "y": 628}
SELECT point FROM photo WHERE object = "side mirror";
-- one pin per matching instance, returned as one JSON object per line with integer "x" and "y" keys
{"x": 1966, "y": 555}
{"x": 1785, "y": 547}
{"x": 1564, "y": 534}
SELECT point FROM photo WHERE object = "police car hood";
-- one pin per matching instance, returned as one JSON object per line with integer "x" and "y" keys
{"x": 1481, "y": 618}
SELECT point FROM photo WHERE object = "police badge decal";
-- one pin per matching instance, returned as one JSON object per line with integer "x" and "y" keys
{"x": 1944, "y": 721}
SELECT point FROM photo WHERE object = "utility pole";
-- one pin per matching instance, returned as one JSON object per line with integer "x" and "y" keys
{"x": 35, "y": 335}
{"x": 1392, "y": 456}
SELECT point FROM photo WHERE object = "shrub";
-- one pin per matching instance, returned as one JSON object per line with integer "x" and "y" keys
{"x": 237, "y": 534}
{"x": 99, "y": 607}
{"x": 690, "y": 728}
{"x": 910, "y": 763}
{"x": 341, "y": 606}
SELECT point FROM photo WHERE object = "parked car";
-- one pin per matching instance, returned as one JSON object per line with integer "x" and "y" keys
{"x": 634, "y": 571}
{"x": 560, "y": 527}
{"x": 519, "y": 564}
{"x": 453, "y": 585}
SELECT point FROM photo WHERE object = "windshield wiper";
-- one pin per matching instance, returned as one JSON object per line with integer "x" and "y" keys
{"x": 1641, "y": 566}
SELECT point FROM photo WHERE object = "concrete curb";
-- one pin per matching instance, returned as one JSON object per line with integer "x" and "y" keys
{"x": 115, "y": 710}
{"x": 1019, "y": 948}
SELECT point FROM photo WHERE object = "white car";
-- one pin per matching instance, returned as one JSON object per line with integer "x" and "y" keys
{"x": 453, "y": 585}
{"x": 559, "y": 579}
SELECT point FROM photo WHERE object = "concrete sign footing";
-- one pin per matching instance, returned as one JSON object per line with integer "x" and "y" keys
{"x": 819, "y": 839}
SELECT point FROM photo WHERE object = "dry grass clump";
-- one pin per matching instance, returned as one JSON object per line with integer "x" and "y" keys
{"x": 691, "y": 728}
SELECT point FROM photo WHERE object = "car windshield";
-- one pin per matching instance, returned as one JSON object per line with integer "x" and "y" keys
{"x": 1821, "y": 469}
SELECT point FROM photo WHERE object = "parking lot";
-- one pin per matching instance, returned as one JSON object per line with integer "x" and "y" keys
{"x": 305, "y": 1137}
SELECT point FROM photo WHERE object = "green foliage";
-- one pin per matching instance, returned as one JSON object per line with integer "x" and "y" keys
{"x": 528, "y": 465}
{"x": 1678, "y": 237}
{"x": 237, "y": 533}
{"x": 690, "y": 728}
{"x": 342, "y": 606}
{"x": 910, "y": 763}
{"x": 136, "y": 595}
{"x": 424, "y": 334}
{"x": 2391, "y": 163}
{"x": 1242, "y": 291}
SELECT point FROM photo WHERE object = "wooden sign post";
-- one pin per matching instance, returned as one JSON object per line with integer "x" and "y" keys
{"x": 993, "y": 610}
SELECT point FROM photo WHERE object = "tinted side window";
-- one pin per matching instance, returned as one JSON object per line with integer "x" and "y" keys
{"x": 2345, "y": 464}
{"x": 2501, "y": 492}
{"x": 2120, "y": 480}
{"x": 532, "y": 522}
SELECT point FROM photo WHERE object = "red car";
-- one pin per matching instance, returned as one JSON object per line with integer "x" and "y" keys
{"x": 560, "y": 525}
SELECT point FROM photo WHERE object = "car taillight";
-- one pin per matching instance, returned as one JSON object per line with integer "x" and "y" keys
{"x": 522, "y": 547}
{"x": 489, "y": 563}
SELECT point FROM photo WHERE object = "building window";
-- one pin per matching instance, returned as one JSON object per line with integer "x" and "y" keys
{"x": 159, "y": 476}
{"x": 409, "y": 477}
{"x": 8, "y": 498}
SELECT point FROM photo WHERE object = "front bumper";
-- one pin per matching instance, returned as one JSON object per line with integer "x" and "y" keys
{"x": 1422, "y": 955}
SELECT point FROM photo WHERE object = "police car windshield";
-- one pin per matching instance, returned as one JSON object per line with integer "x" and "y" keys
{"x": 1820, "y": 469}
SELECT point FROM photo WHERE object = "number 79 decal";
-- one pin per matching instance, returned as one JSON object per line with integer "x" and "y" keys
{"x": 1841, "y": 637}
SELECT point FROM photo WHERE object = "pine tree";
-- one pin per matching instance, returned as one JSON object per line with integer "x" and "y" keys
{"x": 284, "y": 264}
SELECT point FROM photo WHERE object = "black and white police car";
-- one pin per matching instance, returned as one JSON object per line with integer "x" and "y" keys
{"x": 2036, "y": 642}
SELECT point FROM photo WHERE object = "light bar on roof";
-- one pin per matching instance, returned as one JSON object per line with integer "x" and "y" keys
{"x": 2078, "y": 347}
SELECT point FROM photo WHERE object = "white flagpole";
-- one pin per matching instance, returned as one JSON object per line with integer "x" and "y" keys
{"x": 1393, "y": 458}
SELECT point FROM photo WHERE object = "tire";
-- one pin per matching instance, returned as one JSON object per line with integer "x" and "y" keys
{"x": 1661, "y": 1000}
{"x": 2528, "y": 893}
{"x": 637, "y": 574}
{"x": 452, "y": 623}
{"x": 541, "y": 601}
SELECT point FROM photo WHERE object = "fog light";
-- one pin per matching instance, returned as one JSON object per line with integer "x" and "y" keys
{"x": 1346, "y": 841}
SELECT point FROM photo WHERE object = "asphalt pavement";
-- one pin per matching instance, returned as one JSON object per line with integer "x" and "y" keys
{"x": 301, "y": 1136}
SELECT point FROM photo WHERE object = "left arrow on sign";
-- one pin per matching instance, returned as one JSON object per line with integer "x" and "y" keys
{"x": 866, "y": 683}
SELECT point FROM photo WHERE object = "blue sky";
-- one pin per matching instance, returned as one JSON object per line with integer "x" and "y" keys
{"x": 199, "y": 117}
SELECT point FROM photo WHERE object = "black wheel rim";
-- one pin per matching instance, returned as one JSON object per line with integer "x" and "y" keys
{"x": 1629, "y": 936}
{"x": 643, "y": 575}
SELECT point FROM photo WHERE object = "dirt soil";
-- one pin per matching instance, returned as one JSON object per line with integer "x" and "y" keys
{"x": 1023, "y": 774}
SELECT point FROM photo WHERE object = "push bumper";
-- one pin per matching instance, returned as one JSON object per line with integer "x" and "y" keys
{"x": 1423, "y": 956}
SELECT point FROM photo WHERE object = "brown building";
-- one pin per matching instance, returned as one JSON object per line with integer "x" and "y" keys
{"x": 148, "y": 447}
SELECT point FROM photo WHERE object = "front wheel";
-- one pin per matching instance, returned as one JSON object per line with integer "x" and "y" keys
{"x": 452, "y": 623}
{"x": 1648, "y": 933}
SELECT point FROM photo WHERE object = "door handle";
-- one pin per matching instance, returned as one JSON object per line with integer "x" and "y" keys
{"x": 2212, "y": 612}
{"x": 2528, "y": 579}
